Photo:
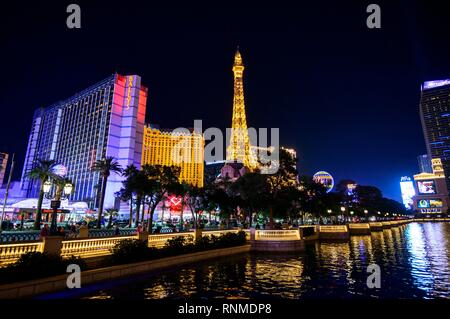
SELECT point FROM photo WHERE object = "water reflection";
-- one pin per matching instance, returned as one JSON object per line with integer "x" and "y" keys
{"x": 414, "y": 261}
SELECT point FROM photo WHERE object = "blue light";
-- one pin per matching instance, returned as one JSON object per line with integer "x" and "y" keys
{"x": 435, "y": 84}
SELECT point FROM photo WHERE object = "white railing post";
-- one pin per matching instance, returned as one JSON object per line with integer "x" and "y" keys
{"x": 52, "y": 245}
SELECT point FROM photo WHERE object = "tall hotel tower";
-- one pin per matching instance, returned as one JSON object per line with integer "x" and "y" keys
{"x": 176, "y": 148}
{"x": 106, "y": 119}
{"x": 435, "y": 117}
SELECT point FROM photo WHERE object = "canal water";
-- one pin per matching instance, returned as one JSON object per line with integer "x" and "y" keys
{"x": 413, "y": 259}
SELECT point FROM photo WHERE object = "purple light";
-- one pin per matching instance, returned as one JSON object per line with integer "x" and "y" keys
{"x": 434, "y": 84}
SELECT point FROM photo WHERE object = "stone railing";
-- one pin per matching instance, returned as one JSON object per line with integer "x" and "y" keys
{"x": 33, "y": 235}
{"x": 90, "y": 247}
{"x": 18, "y": 236}
{"x": 9, "y": 253}
{"x": 225, "y": 231}
{"x": 292, "y": 234}
{"x": 99, "y": 233}
{"x": 359, "y": 226}
{"x": 333, "y": 229}
{"x": 159, "y": 240}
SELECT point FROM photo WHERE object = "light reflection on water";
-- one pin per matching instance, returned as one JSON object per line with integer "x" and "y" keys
{"x": 414, "y": 261}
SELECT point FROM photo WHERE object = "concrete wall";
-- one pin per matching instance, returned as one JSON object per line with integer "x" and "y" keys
{"x": 58, "y": 283}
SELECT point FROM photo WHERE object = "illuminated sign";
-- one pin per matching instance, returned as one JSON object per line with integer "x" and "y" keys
{"x": 351, "y": 188}
{"x": 325, "y": 179}
{"x": 435, "y": 203}
{"x": 431, "y": 210}
{"x": 408, "y": 191}
{"x": 423, "y": 203}
{"x": 426, "y": 187}
{"x": 435, "y": 84}
{"x": 175, "y": 203}
{"x": 130, "y": 85}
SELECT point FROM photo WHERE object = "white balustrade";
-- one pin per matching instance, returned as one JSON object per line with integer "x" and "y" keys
{"x": 333, "y": 229}
{"x": 159, "y": 240}
{"x": 90, "y": 247}
{"x": 9, "y": 253}
{"x": 293, "y": 234}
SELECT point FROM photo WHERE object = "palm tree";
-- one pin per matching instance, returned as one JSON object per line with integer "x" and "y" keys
{"x": 111, "y": 212}
{"x": 42, "y": 171}
{"x": 105, "y": 167}
{"x": 130, "y": 173}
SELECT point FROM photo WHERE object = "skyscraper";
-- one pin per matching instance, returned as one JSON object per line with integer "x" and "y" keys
{"x": 3, "y": 164}
{"x": 106, "y": 119}
{"x": 239, "y": 149}
{"x": 435, "y": 117}
{"x": 176, "y": 148}
{"x": 424, "y": 163}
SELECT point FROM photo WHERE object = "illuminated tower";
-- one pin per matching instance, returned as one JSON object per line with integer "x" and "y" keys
{"x": 239, "y": 148}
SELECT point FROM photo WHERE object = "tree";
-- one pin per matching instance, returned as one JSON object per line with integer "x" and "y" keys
{"x": 251, "y": 189}
{"x": 105, "y": 167}
{"x": 223, "y": 198}
{"x": 286, "y": 176}
{"x": 312, "y": 197}
{"x": 111, "y": 212}
{"x": 126, "y": 193}
{"x": 367, "y": 197}
{"x": 43, "y": 170}
{"x": 160, "y": 181}
{"x": 196, "y": 199}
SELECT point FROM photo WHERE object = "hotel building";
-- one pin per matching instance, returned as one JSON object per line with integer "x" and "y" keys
{"x": 106, "y": 119}
{"x": 3, "y": 164}
{"x": 431, "y": 191}
{"x": 435, "y": 117}
{"x": 182, "y": 148}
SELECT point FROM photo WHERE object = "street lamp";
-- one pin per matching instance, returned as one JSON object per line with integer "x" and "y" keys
{"x": 56, "y": 200}
{"x": 329, "y": 211}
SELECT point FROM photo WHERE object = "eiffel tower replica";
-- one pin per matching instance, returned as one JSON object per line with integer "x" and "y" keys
{"x": 239, "y": 155}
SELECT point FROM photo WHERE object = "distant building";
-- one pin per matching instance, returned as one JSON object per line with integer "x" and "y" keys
{"x": 431, "y": 191}
{"x": 232, "y": 171}
{"x": 424, "y": 163}
{"x": 3, "y": 164}
{"x": 174, "y": 148}
{"x": 212, "y": 170}
{"x": 435, "y": 117}
{"x": 106, "y": 119}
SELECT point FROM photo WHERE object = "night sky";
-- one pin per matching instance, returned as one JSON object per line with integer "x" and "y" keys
{"x": 345, "y": 96}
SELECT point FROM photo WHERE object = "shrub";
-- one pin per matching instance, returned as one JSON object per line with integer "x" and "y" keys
{"x": 131, "y": 250}
{"x": 205, "y": 242}
{"x": 178, "y": 245}
{"x": 34, "y": 265}
{"x": 231, "y": 239}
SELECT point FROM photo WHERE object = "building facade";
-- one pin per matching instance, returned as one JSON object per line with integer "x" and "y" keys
{"x": 431, "y": 191}
{"x": 3, "y": 164}
{"x": 184, "y": 149}
{"x": 435, "y": 117}
{"x": 424, "y": 162}
{"x": 106, "y": 119}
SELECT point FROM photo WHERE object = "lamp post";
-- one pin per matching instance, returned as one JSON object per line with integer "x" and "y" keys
{"x": 62, "y": 192}
{"x": 343, "y": 211}
{"x": 366, "y": 212}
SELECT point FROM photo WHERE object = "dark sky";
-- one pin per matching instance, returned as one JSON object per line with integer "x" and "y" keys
{"x": 345, "y": 96}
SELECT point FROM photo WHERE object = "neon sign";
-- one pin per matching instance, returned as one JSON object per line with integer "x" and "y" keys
{"x": 130, "y": 83}
{"x": 434, "y": 84}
